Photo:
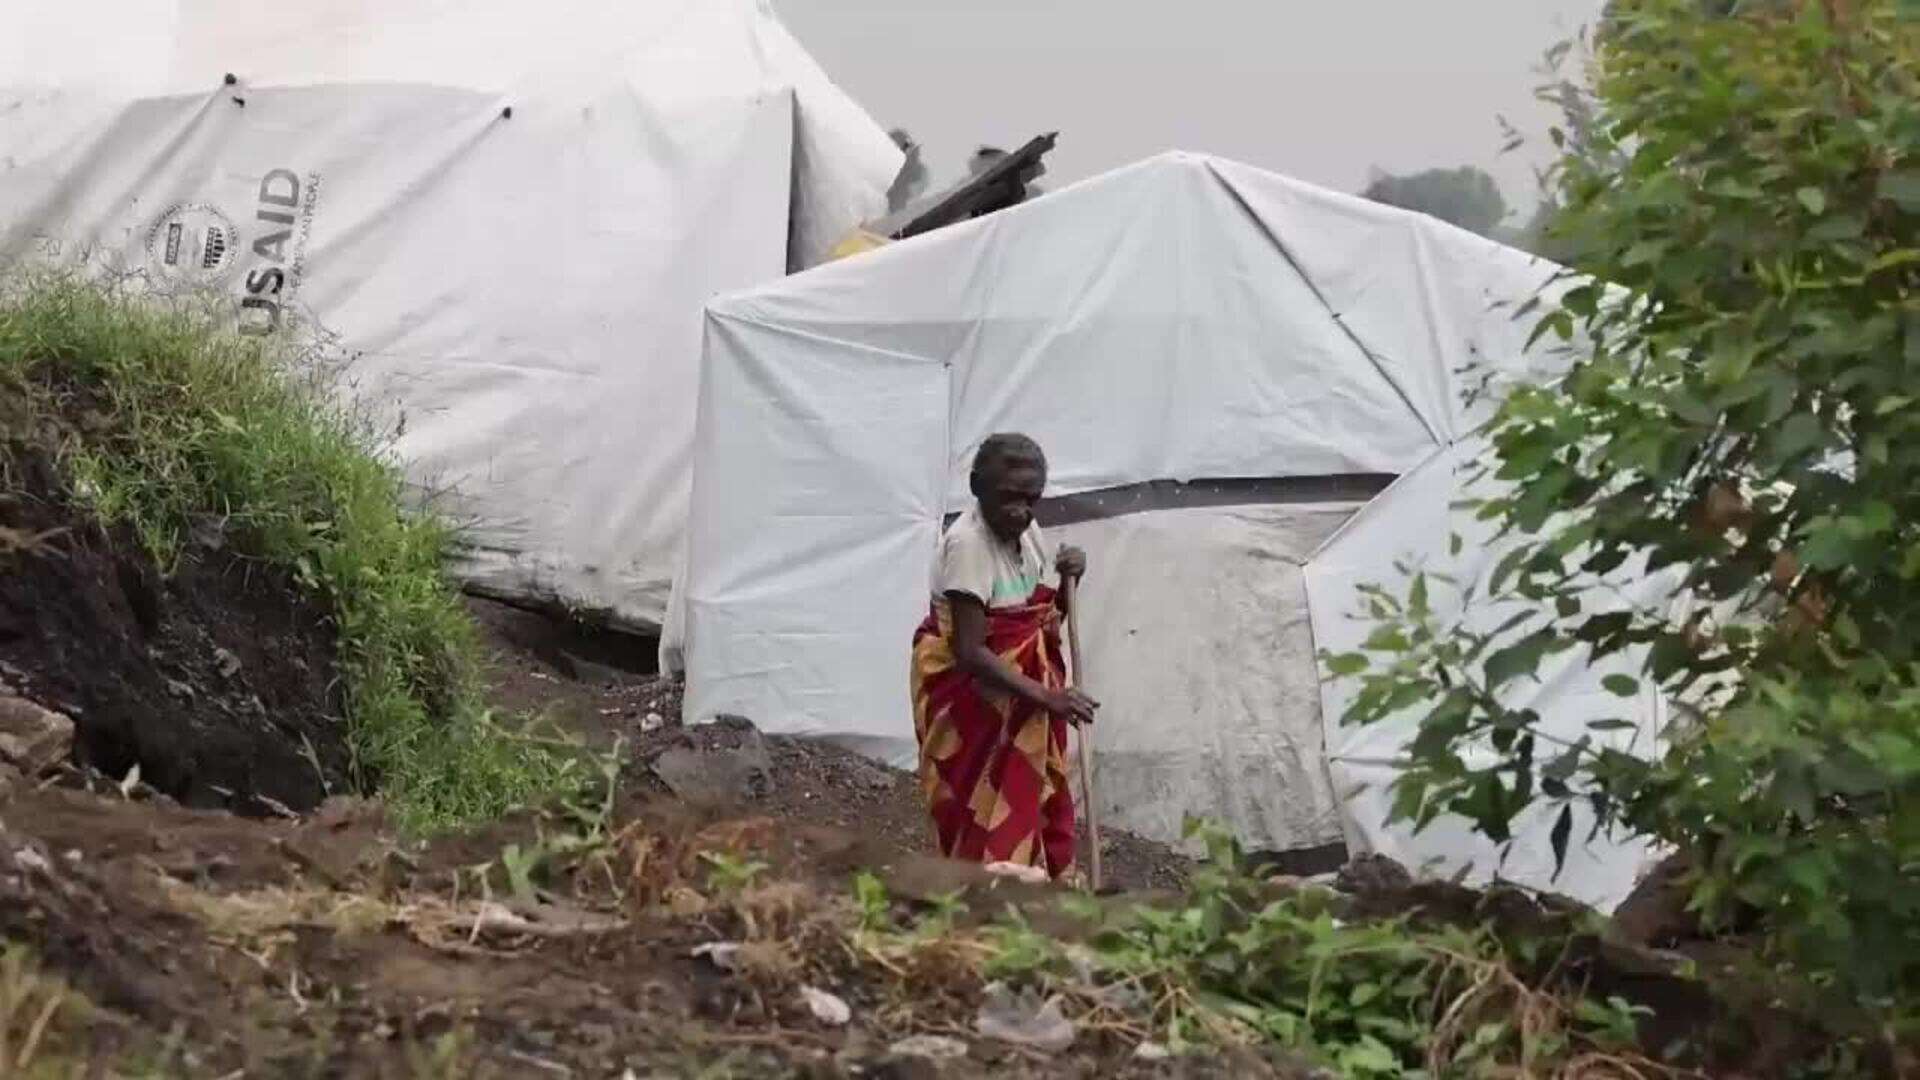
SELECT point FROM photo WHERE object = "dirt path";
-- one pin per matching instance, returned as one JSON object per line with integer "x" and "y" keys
{"x": 552, "y": 944}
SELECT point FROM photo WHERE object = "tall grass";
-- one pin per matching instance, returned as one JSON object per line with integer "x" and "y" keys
{"x": 173, "y": 418}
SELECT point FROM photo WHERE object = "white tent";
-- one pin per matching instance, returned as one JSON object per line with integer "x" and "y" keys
{"x": 1224, "y": 365}
{"x": 509, "y": 212}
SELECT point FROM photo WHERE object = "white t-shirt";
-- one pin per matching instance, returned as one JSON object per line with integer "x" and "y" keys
{"x": 976, "y": 562}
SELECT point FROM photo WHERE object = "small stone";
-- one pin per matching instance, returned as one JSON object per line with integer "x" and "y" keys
{"x": 226, "y": 663}
{"x": 730, "y": 764}
{"x": 826, "y": 1008}
{"x": 180, "y": 690}
{"x": 1368, "y": 874}
{"x": 33, "y": 860}
{"x": 33, "y": 739}
{"x": 653, "y": 721}
{"x": 1024, "y": 1021}
{"x": 1152, "y": 1051}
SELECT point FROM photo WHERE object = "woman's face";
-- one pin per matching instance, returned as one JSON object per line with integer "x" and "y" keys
{"x": 1008, "y": 495}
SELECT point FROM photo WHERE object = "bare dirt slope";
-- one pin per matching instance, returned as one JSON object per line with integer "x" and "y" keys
{"x": 218, "y": 679}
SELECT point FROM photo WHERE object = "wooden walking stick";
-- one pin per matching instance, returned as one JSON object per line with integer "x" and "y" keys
{"x": 1086, "y": 735}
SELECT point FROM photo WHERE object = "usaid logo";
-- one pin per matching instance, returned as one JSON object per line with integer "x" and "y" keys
{"x": 193, "y": 242}
{"x": 196, "y": 243}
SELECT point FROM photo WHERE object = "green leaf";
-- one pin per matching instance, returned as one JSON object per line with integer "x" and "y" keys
{"x": 1801, "y": 434}
{"x": 1386, "y": 638}
{"x": 1902, "y": 189}
{"x": 1562, "y": 830}
{"x": 1813, "y": 199}
{"x": 1368, "y": 1057}
{"x": 1347, "y": 664}
{"x": 1646, "y": 251}
{"x": 1520, "y": 658}
{"x": 1621, "y": 685}
{"x": 1891, "y": 259}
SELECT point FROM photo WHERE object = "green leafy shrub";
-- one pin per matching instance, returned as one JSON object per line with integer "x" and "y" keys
{"x": 175, "y": 418}
{"x": 1746, "y": 416}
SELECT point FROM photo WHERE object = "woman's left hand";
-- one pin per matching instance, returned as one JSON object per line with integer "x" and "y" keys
{"x": 1071, "y": 562}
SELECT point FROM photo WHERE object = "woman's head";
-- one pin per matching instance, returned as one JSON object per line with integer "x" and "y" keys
{"x": 1009, "y": 474}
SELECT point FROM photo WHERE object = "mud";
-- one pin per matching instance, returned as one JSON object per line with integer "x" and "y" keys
{"x": 218, "y": 680}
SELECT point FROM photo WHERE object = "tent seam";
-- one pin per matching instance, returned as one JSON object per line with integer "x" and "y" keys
{"x": 1372, "y": 358}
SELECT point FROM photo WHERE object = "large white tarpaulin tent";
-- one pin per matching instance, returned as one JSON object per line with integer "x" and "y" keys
{"x": 508, "y": 213}
{"x": 1251, "y": 394}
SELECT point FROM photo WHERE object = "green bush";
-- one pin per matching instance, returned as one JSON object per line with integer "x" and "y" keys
{"x": 174, "y": 417}
{"x": 1748, "y": 414}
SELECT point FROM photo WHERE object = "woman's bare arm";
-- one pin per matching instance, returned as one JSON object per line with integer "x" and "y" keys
{"x": 970, "y": 652}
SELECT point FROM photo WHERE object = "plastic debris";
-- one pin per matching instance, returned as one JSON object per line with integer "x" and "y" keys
{"x": 719, "y": 953}
{"x": 827, "y": 1008}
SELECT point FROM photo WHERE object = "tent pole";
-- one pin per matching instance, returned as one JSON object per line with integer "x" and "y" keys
{"x": 1085, "y": 732}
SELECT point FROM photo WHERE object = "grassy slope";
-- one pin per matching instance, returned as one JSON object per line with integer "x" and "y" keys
{"x": 178, "y": 418}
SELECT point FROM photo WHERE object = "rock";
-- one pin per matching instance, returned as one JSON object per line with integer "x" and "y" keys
{"x": 1021, "y": 1019}
{"x": 826, "y": 1008}
{"x": 1373, "y": 874}
{"x": 653, "y": 721}
{"x": 32, "y": 739}
{"x": 1152, "y": 1051}
{"x": 226, "y": 663}
{"x": 30, "y": 859}
{"x": 723, "y": 762}
{"x": 935, "y": 1048}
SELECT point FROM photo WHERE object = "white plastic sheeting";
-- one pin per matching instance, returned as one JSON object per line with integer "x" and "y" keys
{"x": 1195, "y": 630}
{"x": 1410, "y": 525}
{"x": 520, "y": 294}
{"x": 1185, "y": 318}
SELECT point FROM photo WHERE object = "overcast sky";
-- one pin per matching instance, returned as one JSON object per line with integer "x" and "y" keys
{"x": 1320, "y": 89}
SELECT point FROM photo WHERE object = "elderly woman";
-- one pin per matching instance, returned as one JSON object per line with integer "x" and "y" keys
{"x": 990, "y": 700}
